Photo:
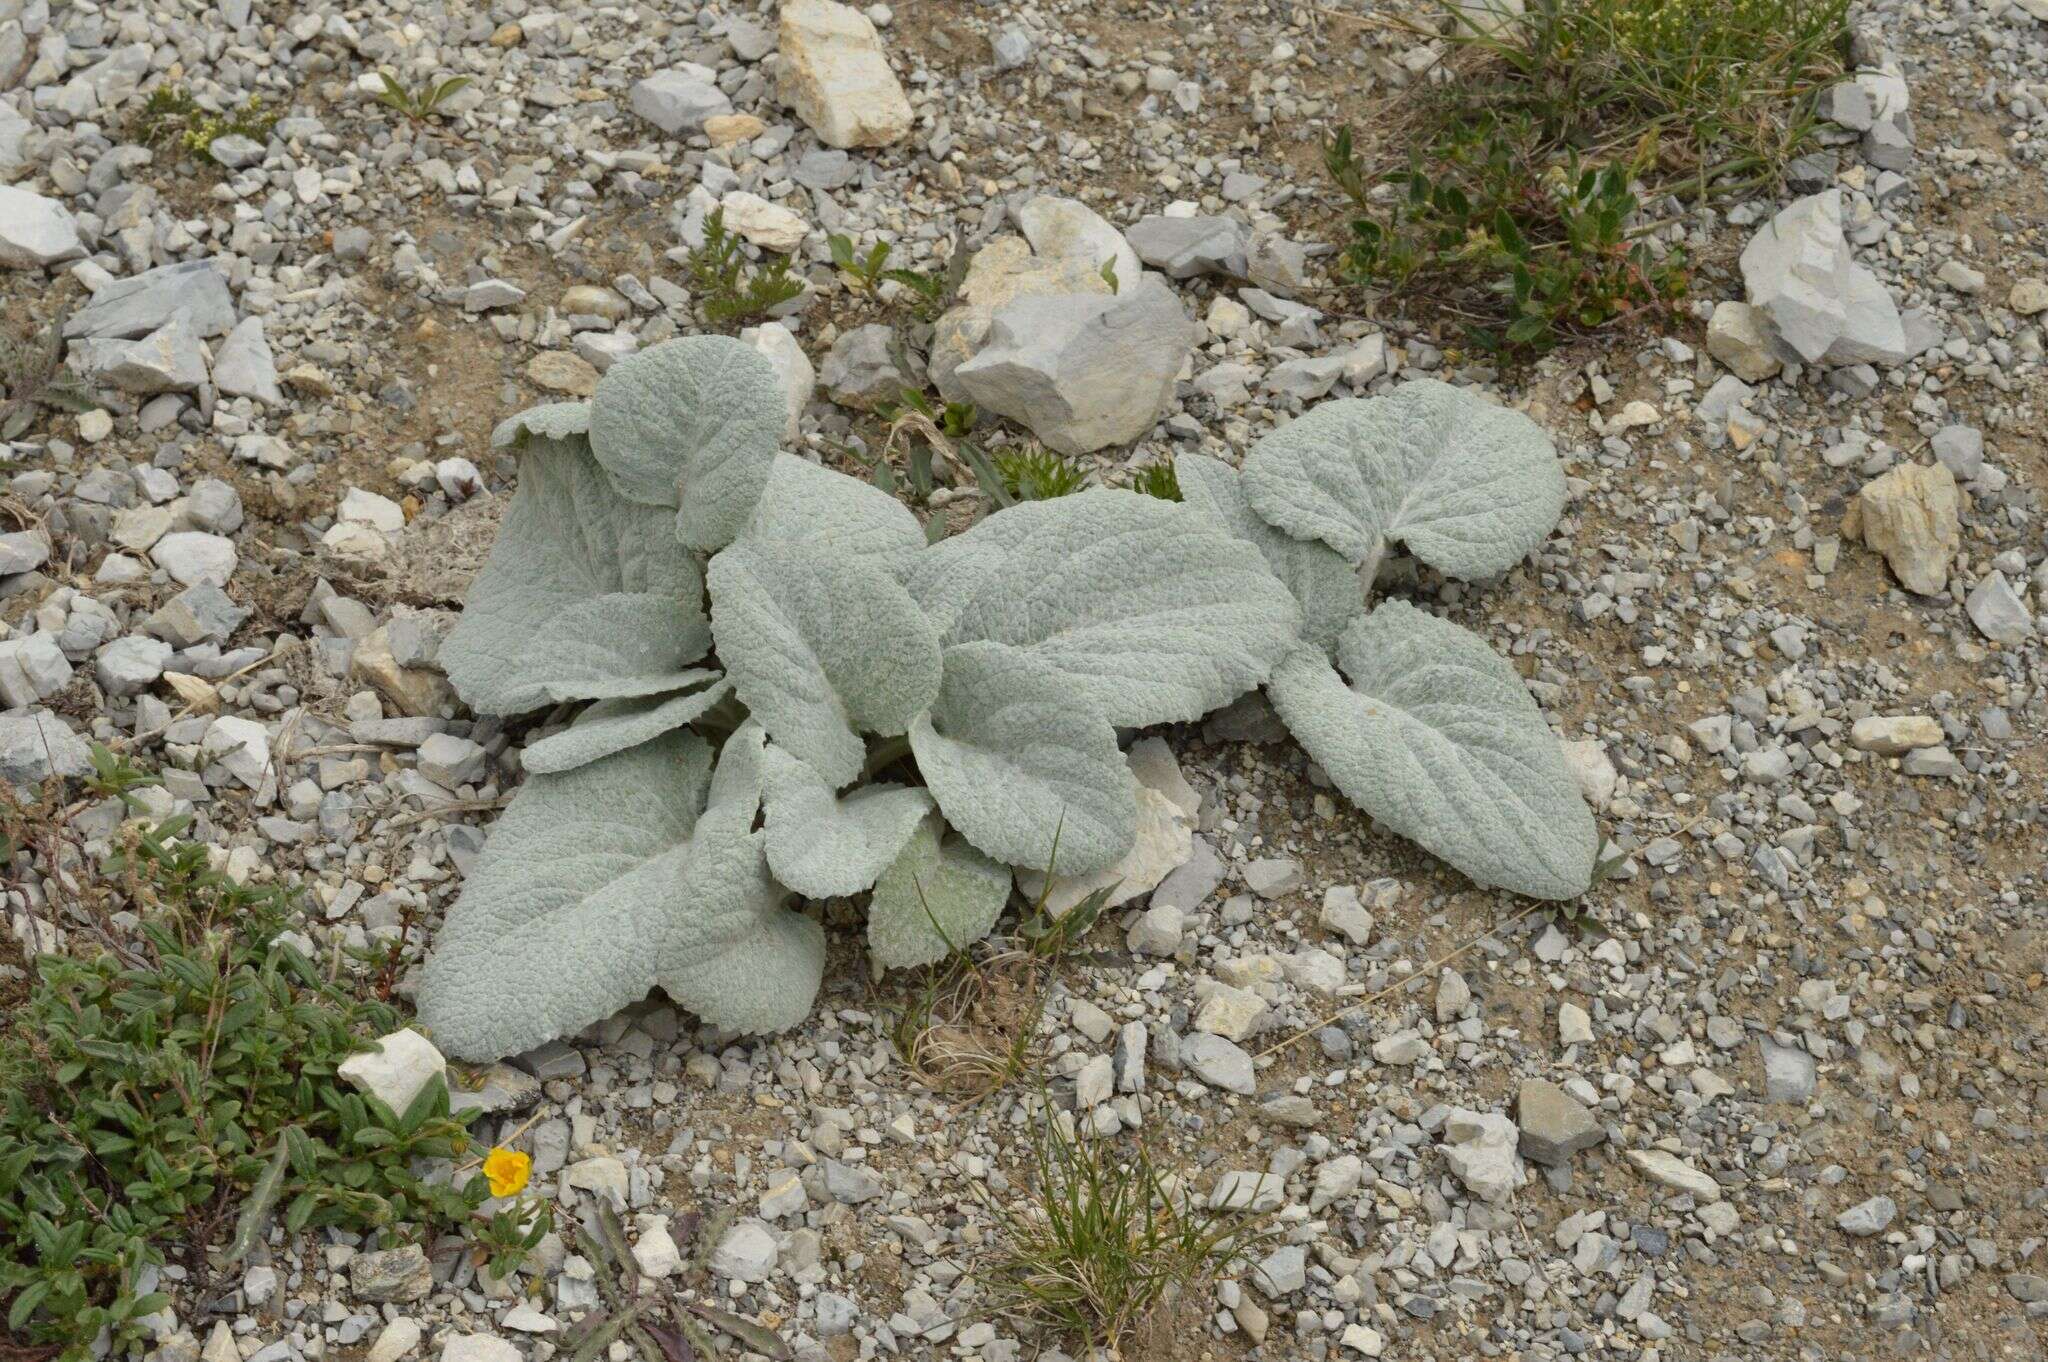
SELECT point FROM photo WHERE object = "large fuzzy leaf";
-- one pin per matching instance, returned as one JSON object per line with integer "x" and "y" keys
{"x": 739, "y": 959}
{"x": 1019, "y": 767}
{"x": 821, "y": 647}
{"x": 939, "y": 896}
{"x": 1324, "y": 585}
{"x": 614, "y": 725}
{"x": 823, "y": 846}
{"x": 605, "y": 881}
{"x": 826, "y": 509}
{"x": 585, "y": 596}
{"x": 692, "y": 423}
{"x": 553, "y": 928}
{"x": 1148, "y": 610}
{"x": 549, "y": 421}
{"x": 1438, "y": 739}
{"x": 1468, "y": 485}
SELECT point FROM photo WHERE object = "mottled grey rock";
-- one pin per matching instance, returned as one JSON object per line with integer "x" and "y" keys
{"x": 37, "y": 745}
{"x": 131, "y": 665}
{"x": 198, "y": 614}
{"x": 1219, "y": 1063}
{"x": 868, "y": 366}
{"x": 23, "y": 551}
{"x": 1184, "y": 247}
{"x": 1868, "y": 1218}
{"x": 1788, "y": 1073}
{"x": 32, "y": 667}
{"x": 679, "y": 100}
{"x": 395, "y": 1275}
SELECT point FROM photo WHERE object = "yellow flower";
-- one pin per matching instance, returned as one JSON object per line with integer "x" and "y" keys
{"x": 507, "y": 1171}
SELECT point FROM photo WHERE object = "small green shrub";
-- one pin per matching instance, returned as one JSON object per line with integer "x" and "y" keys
{"x": 170, "y": 117}
{"x": 931, "y": 292}
{"x": 1518, "y": 200}
{"x": 1158, "y": 480}
{"x": 418, "y": 102}
{"x": 1038, "y": 474}
{"x": 161, "y": 1087}
{"x": 730, "y": 291}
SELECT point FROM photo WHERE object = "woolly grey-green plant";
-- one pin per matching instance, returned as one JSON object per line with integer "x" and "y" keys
{"x": 791, "y": 694}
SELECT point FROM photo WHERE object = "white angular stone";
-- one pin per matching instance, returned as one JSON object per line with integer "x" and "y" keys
{"x": 1799, "y": 271}
{"x": 36, "y": 232}
{"x": 792, "y": 366}
{"x": 836, "y": 78}
{"x": 1480, "y": 1148}
{"x": 1060, "y": 228}
{"x": 403, "y": 1063}
{"x": 1083, "y": 371}
{"x": 193, "y": 558}
{"x": 747, "y": 1253}
{"x": 244, "y": 367}
{"x": 767, "y": 225}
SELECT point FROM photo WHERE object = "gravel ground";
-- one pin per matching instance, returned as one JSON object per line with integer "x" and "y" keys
{"x": 1775, "y": 1089}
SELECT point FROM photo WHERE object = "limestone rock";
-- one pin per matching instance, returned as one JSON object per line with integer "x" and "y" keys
{"x": 679, "y": 100}
{"x": 243, "y": 366}
{"x": 836, "y": 78}
{"x": 1062, "y": 229}
{"x": 1083, "y": 372}
{"x": 1910, "y": 515}
{"x": 1740, "y": 339}
{"x": 1799, "y": 272}
{"x": 792, "y": 366}
{"x": 1895, "y": 736}
{"x": 36, "y": 232}
{"x": 193, "y": 291}
{"x": 1479, "y": 1147}
{"x": 767, "y": 225}
{"x": 37, "y": 745}
{"x": 1669, "y": 1170}
{"x": 403, "y": 1063}
{"x": 1998, "y": 612}
{"x": 1553, "y": 1124}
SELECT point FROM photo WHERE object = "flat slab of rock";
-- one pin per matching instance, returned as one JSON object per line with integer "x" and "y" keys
{"x": 679, "y": 100}
{"x": 193, "y": 291}
{"x": 836, "y": 78}
{"x": 38, "y": 745}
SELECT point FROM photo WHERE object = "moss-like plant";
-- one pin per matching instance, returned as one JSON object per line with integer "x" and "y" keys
{"x": 760, "y": 641}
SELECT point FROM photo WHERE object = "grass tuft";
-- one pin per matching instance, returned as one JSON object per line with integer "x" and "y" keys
{"x": 1103, "y": 1241}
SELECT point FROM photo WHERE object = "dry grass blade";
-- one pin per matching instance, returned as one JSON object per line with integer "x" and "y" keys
{"x": 973, "y": 1028}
